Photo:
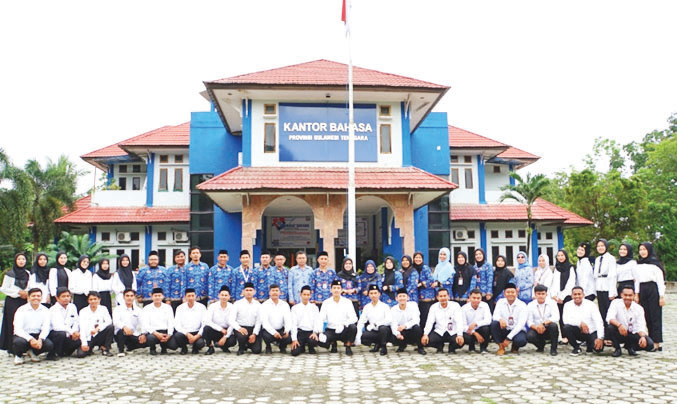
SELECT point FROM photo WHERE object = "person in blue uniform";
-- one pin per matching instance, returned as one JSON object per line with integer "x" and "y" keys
{"x": 485, "y": 274}
{"x": 150, "y": 277}
{"x": 219, "y": 275}
{"x": 299, "y": 276}
{"x": 464, "y": 279}
{"x": 368, "y": 278}
{"x": 196, "y": 276}
{"x": 410, "y": 278}
{"x": 444, "y": 271}
{"x": 390, "y": 282}
{"x": 426, "y": 293}
{"x": 348, "y": 278}
{"x": 176, "y": 279}
{"x": 241, "y": 275}
{"x": 261, "y": 276}
{"x": 321, "y": 279}
{"x": 279, "y": 275}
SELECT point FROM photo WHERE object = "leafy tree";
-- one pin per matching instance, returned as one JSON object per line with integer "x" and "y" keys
{"x": 526, "y": 190}
{"x": 76, "y": 245}
{"x": 13, "y": 209}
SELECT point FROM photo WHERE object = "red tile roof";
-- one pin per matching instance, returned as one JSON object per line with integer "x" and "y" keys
{"x": 289, "y": 178}
{"x": 461, "y": 138}
{"x": 542, "y": 210}
{"x": 79, "y": 204}
{"x": 178, "y": 135}
{"x": 325, "y": 72}
{"x": 515, "y": 153}
{"x": 98, "y": 214}
{"x": 109, "y": 151}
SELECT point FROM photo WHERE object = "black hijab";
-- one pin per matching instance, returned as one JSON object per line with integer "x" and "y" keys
{"x": 606, "y": 245}
{"x": 465, "y": 271}
{"x": 418, "y": 268}
{"x": 479, "y": 263}
{"x": 125, "y": 272}
{"x": 82, "y": 257}
{"x": 105, "y": 275}
{"x": 563, "y": 268}
{"x": 627, "y": 258}
{"x": 502, "y": 276}
{"x": 20, "y": 274}
{"x": 406, "y": 271}
{"x": 586, "y": 248}
{"x": 651, "y": 257}
{"x": 389, "y": 276}
{"x": 61, "y": 274}
{"x": 41, "y": 272}
{"x": 347, "y": 275}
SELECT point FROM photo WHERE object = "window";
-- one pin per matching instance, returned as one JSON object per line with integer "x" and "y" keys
{"x": 119, "y": 254}
{"x": 122, "y": 169}
{"x": 201, "y": 218}
{"x": 523, "y": 248}
{"x": 162, "y": 235}
{"x": 162, "y": 186}
{"x": 456, "y": 251}
{"x": 548, "y": 235}
{"x": 497, "y": 169}
{"x": 269, "y": 109}
{"x": 471, "y": 234}
{"x": 164, "y": 158}
{"x": 135, "y": 258}
{"x": 385, "y": 139}
{"x": 454, "y": 175}
{"x": 136, "y": 183}
{"x": 178, "y": 179}
{"x": 508, "y": 234}
{"x": 509, "y": 255}
{"x": 468, "y": 178}
{"x": 162, "y": 255}
{"x": 134, "y": 236}
{"x": 454, "y": 159}
{"x": 123, "y": 183}
{"x": 471, "y": 255}
{"x": 384, "y": 110}
{"x": 495, "y": 252}
{"x": 105, "y": 236}
{"x": 494, "y": 234}
{"x": 550, "y": 252}
{"x": 521, "y": 233}
{"x": 136, "y": 168}
{"x": 269, "y": 138}
{"x": 178, "y": 159}
{"x": 467, "y": 159}
{"x": 538, "y": 235}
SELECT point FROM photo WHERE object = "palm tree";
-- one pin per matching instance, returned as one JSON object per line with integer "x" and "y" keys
{"x": 76, "y": 245}
{"x": 526, "y": 190}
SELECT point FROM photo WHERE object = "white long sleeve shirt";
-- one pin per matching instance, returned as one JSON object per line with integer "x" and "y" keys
{"x": 650, "y": 273}
{"x": 605, "y": 274}
{"x": 157, "y": 318}
{"x": 220, "y": 318}
{"x": 514, "y": 314}
{"x": 80, "y": 283}
{"x": 481, "y": 316}
{"x": 89, "y": 319}
{"x": 585, "y": 277}
{"x": 102, "y": 285}
{"x": 445, "y": 319}
{"x": 129, "y": 317}
{"x": 631, "y": 317}
{"x": 375, "y": 315}
{"x": 189, "y": 319}
{"x": 44, "y": 287}
{"x": 9, "y": 287}
{"x": 554, "y": 289}
{"x": 28, "y": 320}
{"x": 538, "y": 313}
{"x": 119, "y": 288}
{"x": 626, "y": 272}
{"x": 247, "y": 314}
{"x": 542, "y": 276}
{"x": 305, "y": 317}
{"x": 275, "y": 316}
{"x": 54, "y": 280}
{"x": 408, "y": 317}
{"x": 64, "y": 318}
{"x": 587, "y": 313}
{"x": 338, "y": 315}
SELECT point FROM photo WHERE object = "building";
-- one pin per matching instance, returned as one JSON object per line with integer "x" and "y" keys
{"x": 265, "y": 168}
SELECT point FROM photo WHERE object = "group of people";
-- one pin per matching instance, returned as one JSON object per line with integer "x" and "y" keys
{"x": 58, "y": 311}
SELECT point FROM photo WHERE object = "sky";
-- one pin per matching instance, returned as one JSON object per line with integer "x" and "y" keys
{"x": 545, "y": 76}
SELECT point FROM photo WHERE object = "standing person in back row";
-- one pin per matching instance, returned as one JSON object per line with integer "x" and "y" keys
{"x": 151, "y": 277}
{"x": 605, "y": 277}
{"x": 651, "y": 285}
{"x": 321, "y": 279}
{"x": 219, "y": 275}
{"x": 123, "y": 279}
{"x": 14, "y": 285}
{"x": 299, "y": 276}
{"x": 196, "y": 276}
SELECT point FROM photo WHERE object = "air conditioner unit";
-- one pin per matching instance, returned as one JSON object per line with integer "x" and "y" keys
{"x": 461, "y": 234}
{"x": 181, "y": 236}
{"x": 123, "y": 236}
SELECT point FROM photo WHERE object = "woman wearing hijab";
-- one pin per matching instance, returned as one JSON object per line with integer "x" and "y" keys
{"x": 605, "y": 275}
{"x": 584, "y": 275}
{"x": 123, "y": 279}
{"x": 524, "y": 277}
{"x": 485, "y": 274}
{"x": 59, "y": 275}
{"x": 444, "y": 271}
{"x": 625, "y": 268}
{"x": 465, "y": 278}
{"x": 349, "y": 283}
{"x": 40, "y": 278}
{"x": 369, "y": 277}
{"x": 80, "y": 283}
{"x": 410, "y": 278}
{"x": 650, "y": 282}
{"x": 502, "y": 277}
{"x": 426, "y": 293}
{"x": 15, "y": 286}
{"x": 563, "y": 282}
{"x": 543, "y": 274}
{"x": 102, "y": 282}
{"x": 390, "y": 282}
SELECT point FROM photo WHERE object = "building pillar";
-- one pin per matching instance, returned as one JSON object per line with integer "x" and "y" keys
{"x": 403, "y": 211}
{"x": 534, "y": 246}
{"x": 328, "y": 212}
{"x": 560, "y": 238}
{"x": 252, "y": 211}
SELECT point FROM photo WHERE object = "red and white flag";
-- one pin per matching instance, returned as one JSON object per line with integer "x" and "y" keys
{"x": 343, "y": 12}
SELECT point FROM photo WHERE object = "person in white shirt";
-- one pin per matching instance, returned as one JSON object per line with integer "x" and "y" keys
{"x": 542, "y": 318}
{"x": 80, "y": 283}
{"x": 275, "y": 320}
{"x": 339, "y": 314}
{"x": 405, "y": 323}
{"x": 626, "y": 267}
{"x": 650, "y": 284}
{"x": 584, "y": 275}
{"x": 127, "y": 322}
{"x": 563, "y": 282}
{"x": 188, "y": 323}
{"x": 627, "y": 324}
{"x": 509, "y": 321}
{"x": 59, "y": 275}
{"x": 102, "y": 282}
{"x": 218, "y": 323}
{"x": 582, "y": 322}
{"x": 123, "y": 279}
{"x": 543, "y": 275}
{"x": 305, "y": 324}
{"x": 247, "y": 321}
{"x": 157, "y": 322}
{"x": 605, "y": 277}
{"x": 65, "y": 325}
{"x": 477, "y": 320}
{"x": 447, "y": 319}
{"x": 96, "y": 327}
{"x": 40, "y": 278}
{"x": 377, "y": 319}
{"x": 31, "y": 328}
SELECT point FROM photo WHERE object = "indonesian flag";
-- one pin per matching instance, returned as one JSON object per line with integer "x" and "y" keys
{"x": 343, "y": 12}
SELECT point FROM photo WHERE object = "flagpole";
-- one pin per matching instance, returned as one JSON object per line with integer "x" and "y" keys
{"x": 352, "y": 240}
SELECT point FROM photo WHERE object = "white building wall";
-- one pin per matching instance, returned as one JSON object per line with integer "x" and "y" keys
{"x": 467, "y": 191}
{"x": 494, "y": 181}
{"x": 170, "y": 197}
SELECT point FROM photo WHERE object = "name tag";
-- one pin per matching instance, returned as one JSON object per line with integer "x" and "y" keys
{"x": 324, "y": 285}
{"x": 460, "y": 281}
{"x": 511, "y": 321}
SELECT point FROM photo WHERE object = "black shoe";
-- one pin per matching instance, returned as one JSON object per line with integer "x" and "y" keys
{"x": 422, "y": 351}
{"x": 269, "y": 350}
{"x": 617, "y": 353}
{"x": 240, "y": 352}
{"x": 163, "y": 351}
{"x": 51, "y": 357}
{"x": 575, "y": 352}
{"x": 283, "y": 349}
{"x": 312, "y": 351}
{"x": 225, "y": 349}
{"x": 384, "y": 350}
{"x": 153, "y": 351}
{"x": 440, "y": 350}
{"x": 375, "y": 348}
{"x": 589, "y": 349}
{"x": 195, "y": 351}
{"x": 401, "y": 348}
{"x": 553, "y": 352}
{"x": 349, "y": 351}
{"x": 210, "y": 351}
{"x": 471, "y": 348}
{"x": 334, "y": 348}
{"x": 632, "y": 352}
{"x": 540, "y": 349}
{"x": 483, "y": 350}
{"x": 184, "y": 350}
{"x": 106, "y": 352}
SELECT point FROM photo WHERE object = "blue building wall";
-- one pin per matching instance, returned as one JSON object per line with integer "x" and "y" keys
{"x": 395, "y": 247}
{"x": 421, "y": 232}
{"x": 430, "y": 144}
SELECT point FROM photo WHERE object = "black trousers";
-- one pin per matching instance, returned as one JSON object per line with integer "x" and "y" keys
{"x": 80, "y": 301}
{"x": 631, "y": 340}
{"x": 303, "y": 338}
{"x": 130, "y": 342}
{"x": 347, "y": 335}
{"x": 424, "y": 308}
{"x": 603, "y": 303}
{"x": 500, "y": 334}
{"x": 103, "y": 338}
{"x": 437, "y": 341}
{"x": 653, "y": 312}
{"x": 21, "y": 346}
{"x": 590, "y": 297}
{"x": 152, "y": 340}
{"x": 63, "y": 345}
{"x": 106, "y": 301}
{"x": 182, "y": 340}
{"x": 561, "y": 312}
{"x": 243, "y": 341}
{"x": 574, "y": 334}
{"x": 379, "y": 337}
{"x": 269, "y": 339}
{"x": 551, "y": 333}
{"x": 213, "y": 337}
{"x": 411, "y": 336}
{"x": 470, "y": 339}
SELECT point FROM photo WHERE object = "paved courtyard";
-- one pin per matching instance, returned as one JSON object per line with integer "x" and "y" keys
{"x": 527, "y": 377}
